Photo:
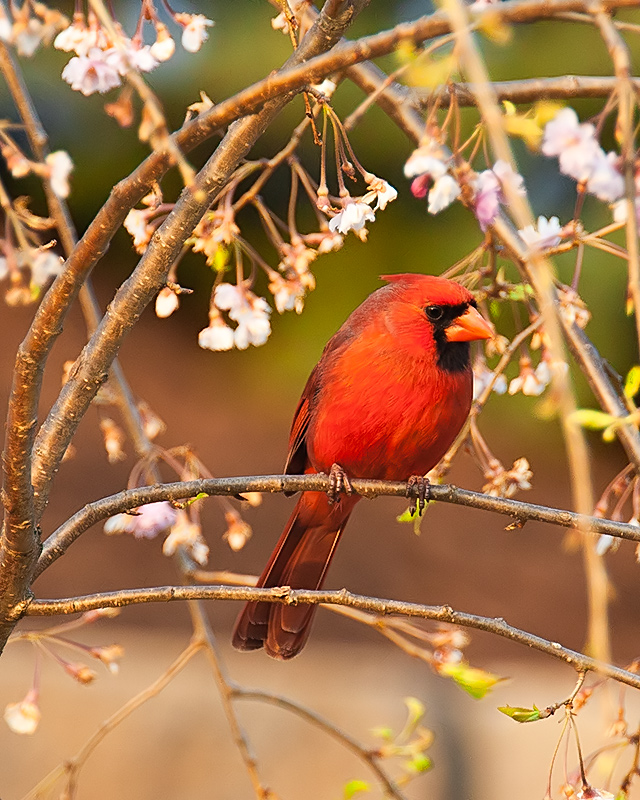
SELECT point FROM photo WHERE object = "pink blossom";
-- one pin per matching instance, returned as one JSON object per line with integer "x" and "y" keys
{"x": 574, "y": 144}
{"x": 490, "y": 191}
{"x": 487, "y": 200}
{"x": 150, "y": 520}
{"x": 98, "y": 71}
{"x": 605, "y": 181}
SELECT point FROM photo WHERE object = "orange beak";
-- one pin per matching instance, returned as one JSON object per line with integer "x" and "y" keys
{"x": 469, "y": 326}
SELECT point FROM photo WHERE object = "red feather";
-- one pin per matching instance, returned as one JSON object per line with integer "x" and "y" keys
{"x": 380, "y": 404}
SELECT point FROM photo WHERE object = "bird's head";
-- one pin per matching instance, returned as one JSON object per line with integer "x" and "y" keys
{"x": 436, "y": 315}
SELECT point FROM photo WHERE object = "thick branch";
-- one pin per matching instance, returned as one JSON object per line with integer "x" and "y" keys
{"x": 57, "y": 544}
{"x": 497, "y": 626}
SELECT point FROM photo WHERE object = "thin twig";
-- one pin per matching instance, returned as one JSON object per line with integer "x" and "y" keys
{"x": 313, "y": 718}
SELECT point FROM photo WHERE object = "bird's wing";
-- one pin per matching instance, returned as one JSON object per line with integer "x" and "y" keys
{"x": 297, "y": 458}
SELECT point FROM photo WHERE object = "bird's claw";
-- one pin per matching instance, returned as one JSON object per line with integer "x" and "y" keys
{"x": 338, "y": 482}
{"x": 418, "y": 490}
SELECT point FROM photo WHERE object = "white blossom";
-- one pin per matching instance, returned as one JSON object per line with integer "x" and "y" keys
{"x": 60, "y": 167}
{"x": 23, "y": 717}
{"x": 381, "y": 191}
{"x": 428, "y": 159}
{"x": 227, "y": 296}
{"x": 548, "y": 233}
{"x": 217, "y": 336}
{"x": 443, "y": 192}
{"x": 44, "y": 264}
{"x": 195, "y": 30}
{"x": 167, "y": 302}
{"x": 352, "y": 217}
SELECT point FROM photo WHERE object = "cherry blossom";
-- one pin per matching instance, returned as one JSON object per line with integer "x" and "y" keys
{"x": 137, "y": 224}
{"x": 352, "y": 217}
{"x": 482, "y": 378}
{"x": 60, "y": 166}
{"x": 98, "y": 71}
{"x": 24, "y": 717}
{"x": 490, "y": 188}
{"x": 195, "y": 30}
{"x": 574, "y": 144}
{"x": 531, "y": 382}
{"x": 148, "y": 522}
{"x": 217, "y": 336}
{"x": 548, "y": 233}
{"x": 167, "y": 302}
{"x": 187, "y": 534}
{"x": 44, "y": 264}
{"x": 164, "y": 46}
{"x": 443, "y": 192}
{"x": 381, "y": 191}
{"x": 428, "y": 159}
{"x": 605, "y": 181}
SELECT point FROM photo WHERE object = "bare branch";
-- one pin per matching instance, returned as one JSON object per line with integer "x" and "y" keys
{"x": 566, "y": 87}
{"x": 284, "y": 594}
{"x": 57, "y": 544}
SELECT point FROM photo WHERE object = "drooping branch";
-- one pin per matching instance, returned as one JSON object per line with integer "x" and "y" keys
{"x": 519, "y": 512}
{"x": 374, "y": 605}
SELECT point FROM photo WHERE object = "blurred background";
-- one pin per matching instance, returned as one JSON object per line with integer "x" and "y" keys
{"x": 235, "y": 409}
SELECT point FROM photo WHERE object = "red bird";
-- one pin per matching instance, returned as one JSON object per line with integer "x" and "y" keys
{"x": 386, "y": 400}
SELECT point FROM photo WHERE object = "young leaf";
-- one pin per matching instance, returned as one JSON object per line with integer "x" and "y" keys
{"x": 591, "y": 419}
{"x": 521, "y": 714}
{"x": 476, "y": 682}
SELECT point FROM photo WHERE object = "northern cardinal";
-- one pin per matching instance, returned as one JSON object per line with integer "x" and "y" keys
{"x": 390, "y": 393}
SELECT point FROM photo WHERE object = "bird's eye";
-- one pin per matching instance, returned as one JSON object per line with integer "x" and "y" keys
{"x": 434, "y": 313}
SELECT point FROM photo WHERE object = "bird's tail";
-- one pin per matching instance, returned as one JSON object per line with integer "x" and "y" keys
{"x": 300, "y": 560}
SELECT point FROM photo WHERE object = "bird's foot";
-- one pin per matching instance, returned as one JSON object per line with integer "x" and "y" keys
{"x": 338, "y": 482}
{"x": 418, "y": 490}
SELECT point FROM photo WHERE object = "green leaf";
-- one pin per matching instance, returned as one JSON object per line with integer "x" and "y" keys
{"x": 353, "y": 787}
{"x": 591, "y": 419}
{"x": 521, "y": 714}
{"x": 476, "y": 682}
{"x": 632, "y": 382}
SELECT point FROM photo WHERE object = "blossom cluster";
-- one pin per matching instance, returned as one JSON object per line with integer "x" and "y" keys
{"x": 103, "y": 56}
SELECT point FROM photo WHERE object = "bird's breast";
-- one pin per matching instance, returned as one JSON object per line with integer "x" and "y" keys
{"x": 387, "y": 417}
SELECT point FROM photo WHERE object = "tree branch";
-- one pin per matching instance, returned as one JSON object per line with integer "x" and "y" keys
{"x": 59, "y": 541}
{"x": 565, "y": 87}
{"x": 288, "y": 596}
